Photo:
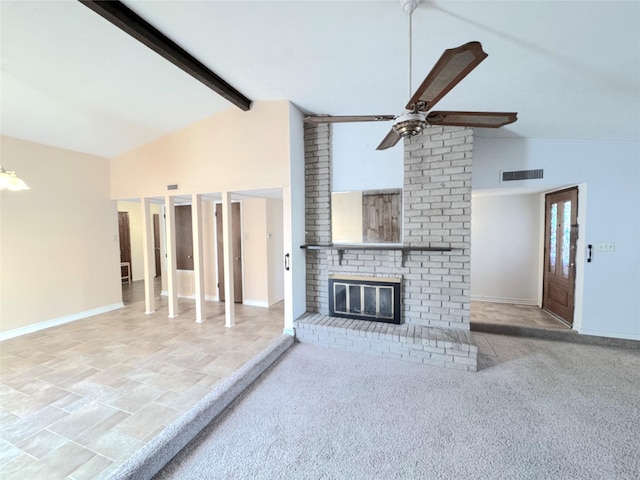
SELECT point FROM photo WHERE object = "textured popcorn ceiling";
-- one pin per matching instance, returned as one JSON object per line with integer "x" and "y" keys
{"x": 69, "y": 78}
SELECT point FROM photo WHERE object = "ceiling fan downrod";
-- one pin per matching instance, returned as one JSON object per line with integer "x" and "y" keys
{"x": 410, "y": 123}
{"x": 409, "y": 5}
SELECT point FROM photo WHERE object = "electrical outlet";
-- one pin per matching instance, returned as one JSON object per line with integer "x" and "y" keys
{"x": 606, "y": 247}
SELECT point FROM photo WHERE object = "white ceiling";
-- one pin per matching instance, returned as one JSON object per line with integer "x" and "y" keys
{"x": 570, "y": 69}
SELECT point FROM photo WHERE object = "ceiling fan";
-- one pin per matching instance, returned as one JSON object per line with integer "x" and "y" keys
{"x": 450, "y": 69}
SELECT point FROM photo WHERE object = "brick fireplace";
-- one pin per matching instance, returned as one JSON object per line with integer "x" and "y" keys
{"x": 435, "y": 285}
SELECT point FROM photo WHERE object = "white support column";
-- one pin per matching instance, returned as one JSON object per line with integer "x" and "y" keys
{"x": 172, "y": 288}
{"x": 198, "y": 263}
{"x": 227, "y": 248}
{"x": 148, "y": 256}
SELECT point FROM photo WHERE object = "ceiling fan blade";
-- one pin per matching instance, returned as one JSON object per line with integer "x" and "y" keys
{"x": 346, "y": 118}
{"x": 453, "y": 66}
{"x": 472, "y": 119}
{"x": 389, "y": 141}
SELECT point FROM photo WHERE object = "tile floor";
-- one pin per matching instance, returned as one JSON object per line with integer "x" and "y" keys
{"x": 517, "y": 315}
{"x": 79, "y": 399}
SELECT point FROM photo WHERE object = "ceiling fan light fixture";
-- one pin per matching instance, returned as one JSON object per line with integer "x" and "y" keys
{"x": 409, "y": 124}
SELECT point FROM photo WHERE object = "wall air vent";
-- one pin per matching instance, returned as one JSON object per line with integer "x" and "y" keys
{"x": 522, "y": 175}
{"x": 173, "y": 186}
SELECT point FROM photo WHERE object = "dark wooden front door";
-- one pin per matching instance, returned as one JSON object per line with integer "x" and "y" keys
{"x": 156, "y": 243}
{"x": 561, "y": 235}
{"x": 237, "y": 253}
{"x": 124, "y": 235}
{"x": 184, "y": 238}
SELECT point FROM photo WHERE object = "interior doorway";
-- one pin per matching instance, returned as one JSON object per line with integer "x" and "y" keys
{"x": 237, "y": 252}
{"x": 124, "y": 235}
{"x": 156, "y": 244}
{"x": 561, "y": 235}
{"x": 507, "y": 263}
{"x": 184, "y": 237}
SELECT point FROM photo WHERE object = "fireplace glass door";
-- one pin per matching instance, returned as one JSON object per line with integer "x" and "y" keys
{"x": 363, "y": 300}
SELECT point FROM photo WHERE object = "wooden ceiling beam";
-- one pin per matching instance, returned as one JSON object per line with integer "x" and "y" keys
{"x": 130, "y": 22}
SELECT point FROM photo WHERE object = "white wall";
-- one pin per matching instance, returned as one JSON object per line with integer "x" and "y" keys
{"x": 227, "y": 152}
{"x": 275, "y": 251}
{"x": 209, "y": 252}
{"x": 59, "y": 250}
{"x": 357, "y": 165}
{"x": 263, "y": 251}
{"x": 608, "y": 288}
{"x": 293, "y": 208}
{"x": 254, "y": 248}
{"x": 505, "y": 248}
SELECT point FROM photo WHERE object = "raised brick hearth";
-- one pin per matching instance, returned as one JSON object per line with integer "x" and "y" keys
{"x": 450, "y": 348}
{"x": 435, "y": 285}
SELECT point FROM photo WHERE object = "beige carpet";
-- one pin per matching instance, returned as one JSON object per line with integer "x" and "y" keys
{"x": 537, "y": 410}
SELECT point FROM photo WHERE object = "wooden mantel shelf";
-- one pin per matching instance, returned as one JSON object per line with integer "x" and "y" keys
{"x": 362, "y": 246}
{"x": 342, "y": 247}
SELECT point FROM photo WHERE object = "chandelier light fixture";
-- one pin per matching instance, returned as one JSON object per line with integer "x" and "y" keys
{"x": 10, "y": 181}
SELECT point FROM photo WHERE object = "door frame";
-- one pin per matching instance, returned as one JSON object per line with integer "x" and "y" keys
{"x": 218, "y": 246}
{"x": 581, "y": 250}
{"x": 127, "y": 243}
{"x": 157, "y": 244}
{"x": 562, "y": 279}
{"x": 184, "y": 238}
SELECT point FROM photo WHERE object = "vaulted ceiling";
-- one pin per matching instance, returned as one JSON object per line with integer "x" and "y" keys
{"x": 571, "y": 69}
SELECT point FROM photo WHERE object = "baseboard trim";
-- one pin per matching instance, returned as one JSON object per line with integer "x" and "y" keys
{"x": 255, "y": 303}
{"x": 165, "y": 293}
{"x": 600, "y": 333}
{"x": 54, "y": 322}
{"x": 513, "y": 301}
{"x": 208, "y": 298}
{"x": 570, "y": 336}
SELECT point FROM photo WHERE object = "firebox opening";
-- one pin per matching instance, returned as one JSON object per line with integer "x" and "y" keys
{"x": 365, "y": 298}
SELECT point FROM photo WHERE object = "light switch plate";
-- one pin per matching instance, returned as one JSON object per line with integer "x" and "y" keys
{"x": 606, "y": 247}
